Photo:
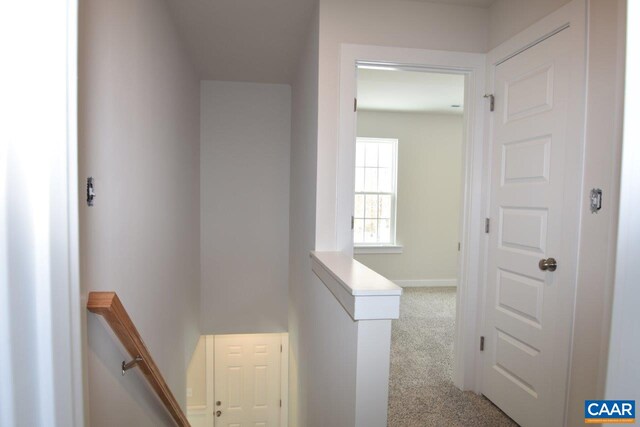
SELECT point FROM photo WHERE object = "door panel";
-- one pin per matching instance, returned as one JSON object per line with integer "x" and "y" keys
{"x": 247, "y": 380}
{"x": 528, "y": 311}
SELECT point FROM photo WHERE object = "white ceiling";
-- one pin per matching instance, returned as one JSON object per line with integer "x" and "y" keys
{"x": 244, "y": 40}
{"x": 410, "y": 91}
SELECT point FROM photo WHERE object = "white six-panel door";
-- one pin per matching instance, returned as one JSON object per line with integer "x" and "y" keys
{"x": 528, "y": 311}
{"x": 247, "y": 380}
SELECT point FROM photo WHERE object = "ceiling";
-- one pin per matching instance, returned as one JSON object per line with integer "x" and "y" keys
{"x": 479, "y": 3}
{"x": 410, "y": 91}
{"x": 249, "y": 40}
{"x": 244, "y": 40}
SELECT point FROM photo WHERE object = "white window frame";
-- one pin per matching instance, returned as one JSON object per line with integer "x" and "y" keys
{"x": 392, "y": 246}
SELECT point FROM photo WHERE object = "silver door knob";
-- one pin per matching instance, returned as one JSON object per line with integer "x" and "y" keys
{"x": 218, "y": 413}
{"x": 549, "y": 264}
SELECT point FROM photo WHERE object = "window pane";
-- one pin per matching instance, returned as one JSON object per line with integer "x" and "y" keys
{"x": 358, "y": 231}
{"x": 371, "y": 207}
{"x": 371, "y": 156}
{"x": 386, "y": 155}
{"x": 385, "y": 182}
{"x": 385, "y": 206}
{"x": 359, "y": 179}
{"x": 360, "y": 154}
{"x": 375, "y": 175}
{"x": 384, "y": 231}
{"x": 371, "y": 231}
{"x": 371, "y": 179}
{"x": 358, "y": 211}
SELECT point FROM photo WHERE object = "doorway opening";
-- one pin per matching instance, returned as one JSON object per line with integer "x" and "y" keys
{"x": 407, "y": 226}
{"x": 238, "y": 380}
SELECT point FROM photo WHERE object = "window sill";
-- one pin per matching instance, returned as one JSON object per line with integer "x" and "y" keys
{"x": 386, "y": 249}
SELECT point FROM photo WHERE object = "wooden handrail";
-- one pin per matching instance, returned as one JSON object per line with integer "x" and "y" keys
{"x": 108, "y": 305}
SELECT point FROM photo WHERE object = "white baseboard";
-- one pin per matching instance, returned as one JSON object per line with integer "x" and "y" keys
{"x": 426, "y": 283}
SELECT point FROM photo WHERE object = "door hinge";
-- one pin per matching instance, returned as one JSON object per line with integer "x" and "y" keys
{"x": 280, "y": 348}
{"x": 458, "y": 246}
{"x": 355, "y": 104}
{"x": 281, "y": 403}
{"x": 353, "y": 221}
{"x": 492, "y": 101}
{"x": 481, "y": 343}
{"x": 487, "y": 225}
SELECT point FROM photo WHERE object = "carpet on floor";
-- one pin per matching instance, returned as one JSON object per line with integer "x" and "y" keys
{"x": 421, "y": 393}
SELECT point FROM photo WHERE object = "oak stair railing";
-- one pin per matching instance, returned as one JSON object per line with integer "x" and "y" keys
{"x": 108, "y": 305}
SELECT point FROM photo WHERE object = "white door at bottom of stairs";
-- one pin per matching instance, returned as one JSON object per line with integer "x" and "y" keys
{"x": 536, "y": 173}
{"x": 247, "y": 380}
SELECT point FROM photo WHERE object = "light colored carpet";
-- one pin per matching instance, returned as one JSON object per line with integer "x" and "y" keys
{"x": 421, "y": 393}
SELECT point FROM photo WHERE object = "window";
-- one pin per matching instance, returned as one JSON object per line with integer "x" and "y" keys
{"x": 375, "y": 195}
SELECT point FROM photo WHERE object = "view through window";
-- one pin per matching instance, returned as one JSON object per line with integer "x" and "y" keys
{"x": 375, "y": 191}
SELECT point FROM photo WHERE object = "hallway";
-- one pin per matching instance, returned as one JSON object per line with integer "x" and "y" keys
{"x": 420, "y": 389}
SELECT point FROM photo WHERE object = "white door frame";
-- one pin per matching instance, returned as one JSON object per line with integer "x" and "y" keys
{"x": 284, "y": 379}
{"x": 472, "y": 66}
{"x": 622, "y": 378}
{"x": 573, "y": 14}
{"x": 207, "y": 410}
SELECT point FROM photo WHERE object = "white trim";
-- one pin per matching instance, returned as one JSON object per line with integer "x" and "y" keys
{"x": 472, "y": 66}
{"x": 382, "y": 249}
{"x": 76, "y": 306}
{"x": 284, "y": 380}
{"x": 427, "y": 283}
{"x": 624, "y": 350}
{"x": 362, "y": 292}
{"x": 204, "y": 414}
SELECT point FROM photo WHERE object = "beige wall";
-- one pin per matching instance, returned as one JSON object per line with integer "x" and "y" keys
{"x": 139, "y": 139}
{"x": 508, "y": 17}
{"x": 429, "y": 188}
{"x": 244, "y": 170}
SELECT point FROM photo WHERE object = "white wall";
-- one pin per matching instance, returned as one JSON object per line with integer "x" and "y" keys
{"x": 398, "y": 23}
{"x": 40, "y": 324}
{"x": 596, "y": 275}
{"x": 429, "y": 193}
{"x": 244, "y": 189}
{"x": 139, "y": 138}
{"x": 623, "y": 375}
{"x": 323, "y": 338}
{"x": 197, "y": 375}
